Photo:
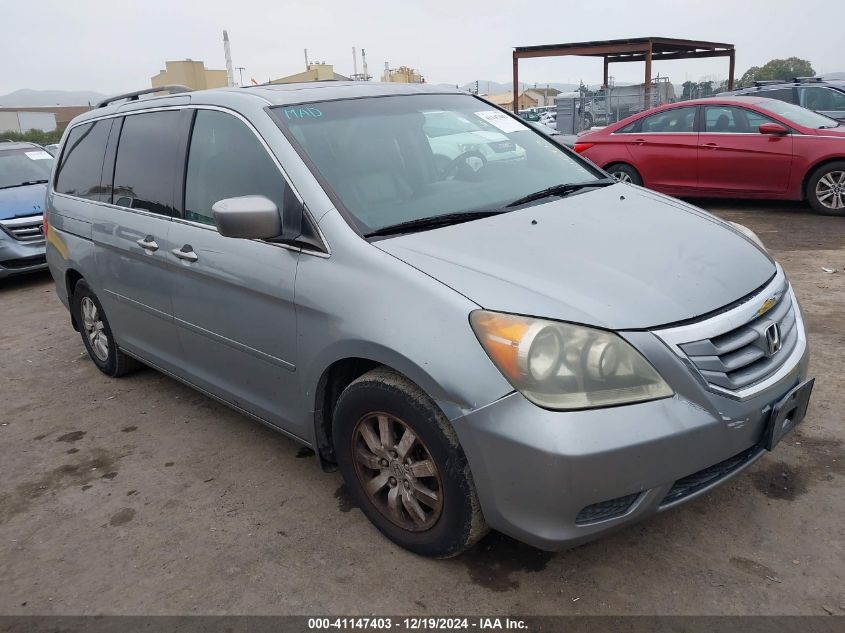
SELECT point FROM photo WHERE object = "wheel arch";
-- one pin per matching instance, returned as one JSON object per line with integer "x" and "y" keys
{"x": 341, "y": 371}
{"x": 815, "y": 167}
{"x": 72, "y": 276}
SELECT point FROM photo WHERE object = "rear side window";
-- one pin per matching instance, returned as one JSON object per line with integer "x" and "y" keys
{"x": 226, "y": 160}
{"x": 631, "y": 128}
{"x": 782, "y": 94}
{"x": 146, "y": 170}
{"x": 81, "y": 164}
{"x": 670, "y": 121}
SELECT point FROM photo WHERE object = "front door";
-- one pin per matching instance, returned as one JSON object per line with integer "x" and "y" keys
{"x": 734, "y": 156}
{"x": 233, "y": 299}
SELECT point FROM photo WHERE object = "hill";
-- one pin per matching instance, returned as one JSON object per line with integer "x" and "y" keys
{"x": 42, "y": 98}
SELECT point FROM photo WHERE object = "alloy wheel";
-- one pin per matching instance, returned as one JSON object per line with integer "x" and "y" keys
{"x": 397, "y": 472}
{"x": 94, "y": 329}
{"x": 830, "y": 190}
{"x": 621, "y": 176}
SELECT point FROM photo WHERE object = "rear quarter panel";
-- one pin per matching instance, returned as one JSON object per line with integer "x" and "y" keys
{"x": 69, "y": 245}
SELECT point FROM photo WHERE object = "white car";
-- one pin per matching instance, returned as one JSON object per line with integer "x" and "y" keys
{"x": 549, "y": 119}
{"x": 451, "y": 136}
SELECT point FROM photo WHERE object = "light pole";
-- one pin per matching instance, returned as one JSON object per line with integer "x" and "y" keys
{"x": 241, "y": 70}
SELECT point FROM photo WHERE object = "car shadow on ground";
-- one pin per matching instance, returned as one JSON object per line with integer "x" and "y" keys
{"x": 20, "y": 282}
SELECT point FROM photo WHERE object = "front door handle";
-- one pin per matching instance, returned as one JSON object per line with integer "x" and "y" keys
{"x": 711, "y": 146}
{"x": 639, "y": 141}
{"x": 148, "y": 243}
{"x": 186, "y": 253}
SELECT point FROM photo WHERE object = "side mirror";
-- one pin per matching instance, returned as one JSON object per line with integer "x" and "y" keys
{"x": 773, "y": 128}
{"x": 248, "y": 217}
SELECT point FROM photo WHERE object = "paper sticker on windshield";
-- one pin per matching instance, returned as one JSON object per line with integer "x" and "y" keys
{"x": 38, "y": 155}
{"x": 501, "y": 120}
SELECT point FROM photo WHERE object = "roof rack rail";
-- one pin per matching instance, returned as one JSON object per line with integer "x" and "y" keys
{"x": 133, "y": 96}
{"x": 769, "y": 82}
{"x": 803, "y": 80}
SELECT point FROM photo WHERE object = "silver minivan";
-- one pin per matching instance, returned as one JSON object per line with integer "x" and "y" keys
{"x": 520, "y": 344}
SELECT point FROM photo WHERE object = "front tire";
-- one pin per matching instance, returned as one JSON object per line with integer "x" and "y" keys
{"x": 624, "y": 172}
{"x": 97, "y": 335}
{"x": 826, "y": 189}
{"x": 403, "y": 464}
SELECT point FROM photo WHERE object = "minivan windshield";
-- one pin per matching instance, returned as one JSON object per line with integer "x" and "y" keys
{"x": 799, "y": 115}
{"x": 401, "y": 160}
{"x": 19, "y": 167}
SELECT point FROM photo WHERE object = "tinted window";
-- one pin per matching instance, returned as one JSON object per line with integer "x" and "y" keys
{"x": 731, "y": 120}
{"x": 630, "y": 128}
{"x": 783, "y": 94}
{"x": 226, "y": 160}
{"x": 671, "y": 121}
{"x": 818, "y": 98}
{"x": 81, "y": 163}
{"x": 146, "y": 169}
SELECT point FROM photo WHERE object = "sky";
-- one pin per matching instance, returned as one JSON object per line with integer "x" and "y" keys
{"x": 116, "y": 45}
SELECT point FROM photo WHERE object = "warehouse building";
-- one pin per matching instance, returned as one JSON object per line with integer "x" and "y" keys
{"x": 190, "y": 73}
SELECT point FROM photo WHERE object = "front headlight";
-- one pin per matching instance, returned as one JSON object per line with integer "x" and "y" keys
{"x": 564, "y": 366}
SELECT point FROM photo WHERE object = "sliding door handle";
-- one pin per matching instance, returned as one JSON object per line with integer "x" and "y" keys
{"x": 148, "y": 243}
{"x": 186, "y": 253}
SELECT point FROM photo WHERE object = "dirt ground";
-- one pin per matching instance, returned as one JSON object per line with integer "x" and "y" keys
{"x": 141, "y": 496}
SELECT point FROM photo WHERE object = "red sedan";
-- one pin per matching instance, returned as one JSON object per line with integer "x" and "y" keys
{"x": 732, "y": 147}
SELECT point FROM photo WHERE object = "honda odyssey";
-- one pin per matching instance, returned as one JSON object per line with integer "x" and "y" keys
{"x": 521, "y": 344}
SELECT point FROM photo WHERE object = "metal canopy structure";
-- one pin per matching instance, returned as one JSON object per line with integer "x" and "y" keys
{"x": 640, "y": 49}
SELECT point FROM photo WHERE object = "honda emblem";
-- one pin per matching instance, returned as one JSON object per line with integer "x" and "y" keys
{"x": 773, "y": 340}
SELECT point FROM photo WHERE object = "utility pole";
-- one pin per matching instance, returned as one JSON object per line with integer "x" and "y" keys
{"x": 241, "y": 70}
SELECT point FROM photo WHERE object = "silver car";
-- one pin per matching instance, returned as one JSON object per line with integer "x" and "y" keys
{"x": 525, "y": 345}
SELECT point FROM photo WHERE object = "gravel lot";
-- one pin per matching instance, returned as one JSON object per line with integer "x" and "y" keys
{"x": 141, "y": 496}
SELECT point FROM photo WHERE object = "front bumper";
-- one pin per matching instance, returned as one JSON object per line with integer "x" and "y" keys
{"x": 558, "y": 479}
{"x": 18, "y": 258}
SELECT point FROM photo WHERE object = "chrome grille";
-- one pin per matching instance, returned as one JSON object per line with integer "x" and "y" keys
{"x": 24, "y": 229}
{"x": 741, "y": 357}
{"x": 730, "y": 349}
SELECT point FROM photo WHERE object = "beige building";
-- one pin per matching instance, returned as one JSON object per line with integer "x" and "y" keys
{"x": 505, "y": 100}
{"x": 402, "y": 75}
{"x": 543, "y": 96}
{"x": 315, "y": 72}
{"x": 190, "y": 73}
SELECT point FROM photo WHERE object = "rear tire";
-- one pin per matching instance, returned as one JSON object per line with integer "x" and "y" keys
{"x": 391, "y": 438}
{"x": 826, "y": 189}
{"x": 97, "y": 335}
{"x": 623, "y": 172}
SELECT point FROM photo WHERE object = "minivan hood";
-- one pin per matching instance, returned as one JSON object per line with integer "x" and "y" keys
{"x": 19, "y": 202}
{"x": 620, "y": 257}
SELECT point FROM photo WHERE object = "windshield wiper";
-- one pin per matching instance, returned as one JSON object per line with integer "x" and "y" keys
{"x": 560, "y": 190}
{"x": 433, "y": 222}
{"x": 24, "y": 184}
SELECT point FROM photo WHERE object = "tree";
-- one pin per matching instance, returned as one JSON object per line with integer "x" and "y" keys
{"x": 33, "y": 136}
{"x": 693, "y": 90}
{"x": 778, "y": 69}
